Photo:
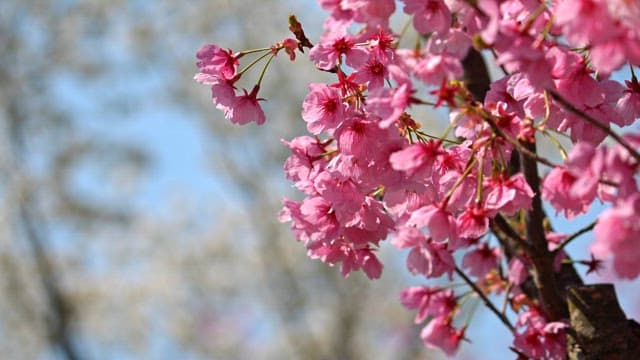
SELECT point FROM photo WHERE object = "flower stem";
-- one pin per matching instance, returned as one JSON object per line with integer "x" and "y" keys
{"x": 247, "y": 52}
{"x": 467, "y": 171}
{"x": 253, "y": 63}
{"x": 264, "y": 69}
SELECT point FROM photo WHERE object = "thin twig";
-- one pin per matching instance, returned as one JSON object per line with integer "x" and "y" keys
{"x": 567, "y": 105}
{"x": 484, "y": 298}
{"x": 518, "y": 352}
{"x": 523, "y": 150}
{"x": 574, "y": 236}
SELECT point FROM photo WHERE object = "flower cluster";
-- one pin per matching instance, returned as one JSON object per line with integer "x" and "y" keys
{"x": 369, "y": 171}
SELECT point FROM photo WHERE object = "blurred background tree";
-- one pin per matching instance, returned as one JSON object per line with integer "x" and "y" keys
{"x": 135, "y": 222}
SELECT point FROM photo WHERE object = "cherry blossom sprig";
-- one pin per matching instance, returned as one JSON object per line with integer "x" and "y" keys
{"x": 370, "y": 171}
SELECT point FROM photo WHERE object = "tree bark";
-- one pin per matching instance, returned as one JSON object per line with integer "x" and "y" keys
{"x": 600, "y": 329}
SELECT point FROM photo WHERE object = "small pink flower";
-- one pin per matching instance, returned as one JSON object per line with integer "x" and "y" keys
{"x": 370, "y": 12}
{"x": 617, "y": 232}
{"x": 351, "y": 259}
{"x": 322, "y": 109}
{"x": 429, "y": 15}
{"x": 430, "y": 301}
{"x": 585, "y": 21}
{"x": 538, "y": 338}
{"x": 436, "y": 68}
{"x": 481, "y": 260}
{"x": 373, "y": 72}
{"x": 290, "y": 46}
{"x": 305, "y": 162}
{"x": 223, "y": 96}
{"x": 215, "y": 61}
{"x": 329, "y": 51}
{"x": 390, "y": 104}
{"x": 518, "y": 272}
{"x": 417, "y": 157}
{"x": 431, "y": 260}
{"x": 381, "y": 45}
{"x": 440, "y": 222}
{"x": 473, "y": 223}
{"x": 628, "y": 106}
{"x": 556, "y": 189}
{"x": 407, "y": 237}
{"x": 508, "y": 195}
{"x": 439, "y": 334}
{"x": 370, "y": 264}
{"x": 247, "y": 109}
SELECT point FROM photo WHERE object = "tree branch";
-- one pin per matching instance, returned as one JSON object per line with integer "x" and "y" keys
{"x": 568, "y": 106}
{"x": 600, "y": 329}
{"x": 574, "y": 236}
{"x": 542, "y": 259}
{"x": 485, "y": 299}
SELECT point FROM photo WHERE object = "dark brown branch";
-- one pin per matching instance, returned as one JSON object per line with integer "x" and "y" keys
{"x": 543, "y": 275}
{"x": 476, "y": 76}
{"x": 500, "y": 225}
{"x": 599, "y": 327}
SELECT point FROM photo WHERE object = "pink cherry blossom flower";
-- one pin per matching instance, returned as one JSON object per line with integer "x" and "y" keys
{"x": 351, "y": 259}
{"x": 390, "y": 104}
{"x": 381, "y": 46}
{"x": 340, "y": 18}
{"x": 370, "y": 264}
{"x": 305, "y": 162}
{"x": 556, "y": 188}
{"x": 417, "y": 157}
{"x": 319, "y": 218}
{"x": 436, "y": 68}
{"x": 358, "y": 135}
{"x": 617, "y": 232}
{"x": 473, "y": 222}
{"x": 322, "y": 109}
{"x": 538, "y": 338}
{"x": 328, "y": 53}
{"x": 430, "y": 301}
{"x": 408, "y": 237}
{"x": 587, "y": 163}
{"x": 585, "y": 21}
{"x": 247, "y": 109}
{"x": 370, "y": 12}
{"x": 441, "y": 223}
{"x": 518, "y": 272}
{"x": 223, "y": 96}
{"x": 429, "y": 15}
{"x": 439, "y": 334}
{"x": 508, "y": 195}
{"x": 481, "y": 260}
{"x": 628, "y": 106}
{"x": 431, "y": 260}
{"x": 215, "y": 61}
{"x": 373, "y": 72}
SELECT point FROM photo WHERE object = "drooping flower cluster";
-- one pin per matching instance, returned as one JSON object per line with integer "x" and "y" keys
{"x": 368, "y": 171}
